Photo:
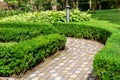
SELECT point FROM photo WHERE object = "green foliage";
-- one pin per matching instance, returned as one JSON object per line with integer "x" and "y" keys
{"x": 110, "y": 16}
{"x": 5, "y": 13}
{"x": 36, "y": 42}
{"x": 49, "y": 17}
{"x": 79, "y": 16}
{"x": 78, "y": 30}
{"x": 22, "y": 31}
{"x": 24, "y": 55}
{"x": 107, "y": 61}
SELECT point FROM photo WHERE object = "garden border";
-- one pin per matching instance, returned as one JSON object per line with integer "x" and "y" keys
{"x": 107, "y": 61}
{"x": 22, "y": 56}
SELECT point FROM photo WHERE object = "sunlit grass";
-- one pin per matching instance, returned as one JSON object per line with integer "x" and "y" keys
{"x": 110, "y": 18}
{"x": 7, "y": 44}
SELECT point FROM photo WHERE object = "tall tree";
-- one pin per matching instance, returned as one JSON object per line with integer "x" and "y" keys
{"x": 90, "y": 4}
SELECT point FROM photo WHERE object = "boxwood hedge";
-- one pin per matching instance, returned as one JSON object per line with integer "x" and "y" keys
{"x": 107, "y": 61}
{"x": 24, "y": 55}
{"x": 23, "y": 31}
{"x": 36, "y": 42}
{"x": 80, "y": 30}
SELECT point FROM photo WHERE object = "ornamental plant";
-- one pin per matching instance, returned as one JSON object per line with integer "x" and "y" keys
{"x": 49, "y": 17}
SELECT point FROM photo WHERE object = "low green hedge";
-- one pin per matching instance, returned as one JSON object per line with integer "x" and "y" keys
{"x": 22, "y": 56}
{"x": 22, "y": 31}
{"x": 107, "y": 61}
{"x": 80, "y": 30}
{"x": 30, "y": 43}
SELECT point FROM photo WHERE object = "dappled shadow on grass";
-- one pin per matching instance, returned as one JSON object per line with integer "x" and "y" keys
{"x": 113, "y": 16}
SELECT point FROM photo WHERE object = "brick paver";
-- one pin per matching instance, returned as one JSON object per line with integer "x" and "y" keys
{"x": 73, "y": 63}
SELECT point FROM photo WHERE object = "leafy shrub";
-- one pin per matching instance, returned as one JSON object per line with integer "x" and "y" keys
{"x": 107, "y": 61}
{"x": 78, "y": 30}
{"x": 49, "y": 17}
{"x": 22, "y": 31}
{"x": 7, "y": 13}
{"x": 24, "y": 55}
{"x": 79, "y": 16}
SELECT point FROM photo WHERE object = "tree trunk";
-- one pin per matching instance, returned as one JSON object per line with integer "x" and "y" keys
{"x": 77, "y": 4}
{"x": 94, "y": 7}
{"x": 117, "y": 5}
{"x": 54, "y": 7}
{"x": 90, "y": 4}
{"x": 66, "y": 2}
{"x": 99, "y": 5}
{"x": 36, "y": 7}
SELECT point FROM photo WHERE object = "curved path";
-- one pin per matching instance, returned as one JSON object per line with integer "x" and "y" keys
{"x": 73, "y": 63}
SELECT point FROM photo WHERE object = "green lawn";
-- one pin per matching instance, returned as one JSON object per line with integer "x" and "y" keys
{"x": 110, "y": 18}
{"x": 7, "y": 44}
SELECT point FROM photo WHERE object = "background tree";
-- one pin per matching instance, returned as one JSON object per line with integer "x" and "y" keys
{"x": 36, "y": 5}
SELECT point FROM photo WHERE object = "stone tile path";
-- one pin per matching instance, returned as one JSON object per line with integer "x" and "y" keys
{"x": 73, "y": 63}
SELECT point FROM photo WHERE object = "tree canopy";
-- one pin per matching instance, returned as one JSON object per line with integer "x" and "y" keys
{"x": 60, "y": 4}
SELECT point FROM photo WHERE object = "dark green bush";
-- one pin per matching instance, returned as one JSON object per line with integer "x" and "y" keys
{"x": 83, "y": 31}
{"x": 107, "y": 61}
{"x": 37, "y": 42}
{"x": 24, "y": 55}
{"x": 22, "y": 31}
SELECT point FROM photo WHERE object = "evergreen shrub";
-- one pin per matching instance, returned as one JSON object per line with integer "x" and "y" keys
{"x": 16, "y": 32}
{"x": 33, "y": 43}
{"x": 24, "y": 55}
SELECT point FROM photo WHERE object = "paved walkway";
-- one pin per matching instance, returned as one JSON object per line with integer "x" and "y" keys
{"x": 73, "y": 63}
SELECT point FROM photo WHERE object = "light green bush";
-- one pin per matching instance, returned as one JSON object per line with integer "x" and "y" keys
{"x": 49, "y": 17}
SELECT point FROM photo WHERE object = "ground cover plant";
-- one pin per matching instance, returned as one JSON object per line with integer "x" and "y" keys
{"x": 16, "y": 58}
{"x": 49, "y": 17}
{"x": 106, "y": 62}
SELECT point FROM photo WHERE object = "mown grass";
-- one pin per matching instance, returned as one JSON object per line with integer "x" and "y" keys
{"x": 110, "y": 18}
{"x": 7, "y": 44}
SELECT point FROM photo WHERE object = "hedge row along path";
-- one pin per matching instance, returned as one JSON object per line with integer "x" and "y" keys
{"x": 73, "y": 63}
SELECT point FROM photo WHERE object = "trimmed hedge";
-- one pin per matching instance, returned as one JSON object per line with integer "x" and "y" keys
{"x": 23, "y": 31}
{"x": 79, "y": 30}
{"x": 33, "y": 43}
{"x": 107, "y": 61}
{"x": 22, "y": 56}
